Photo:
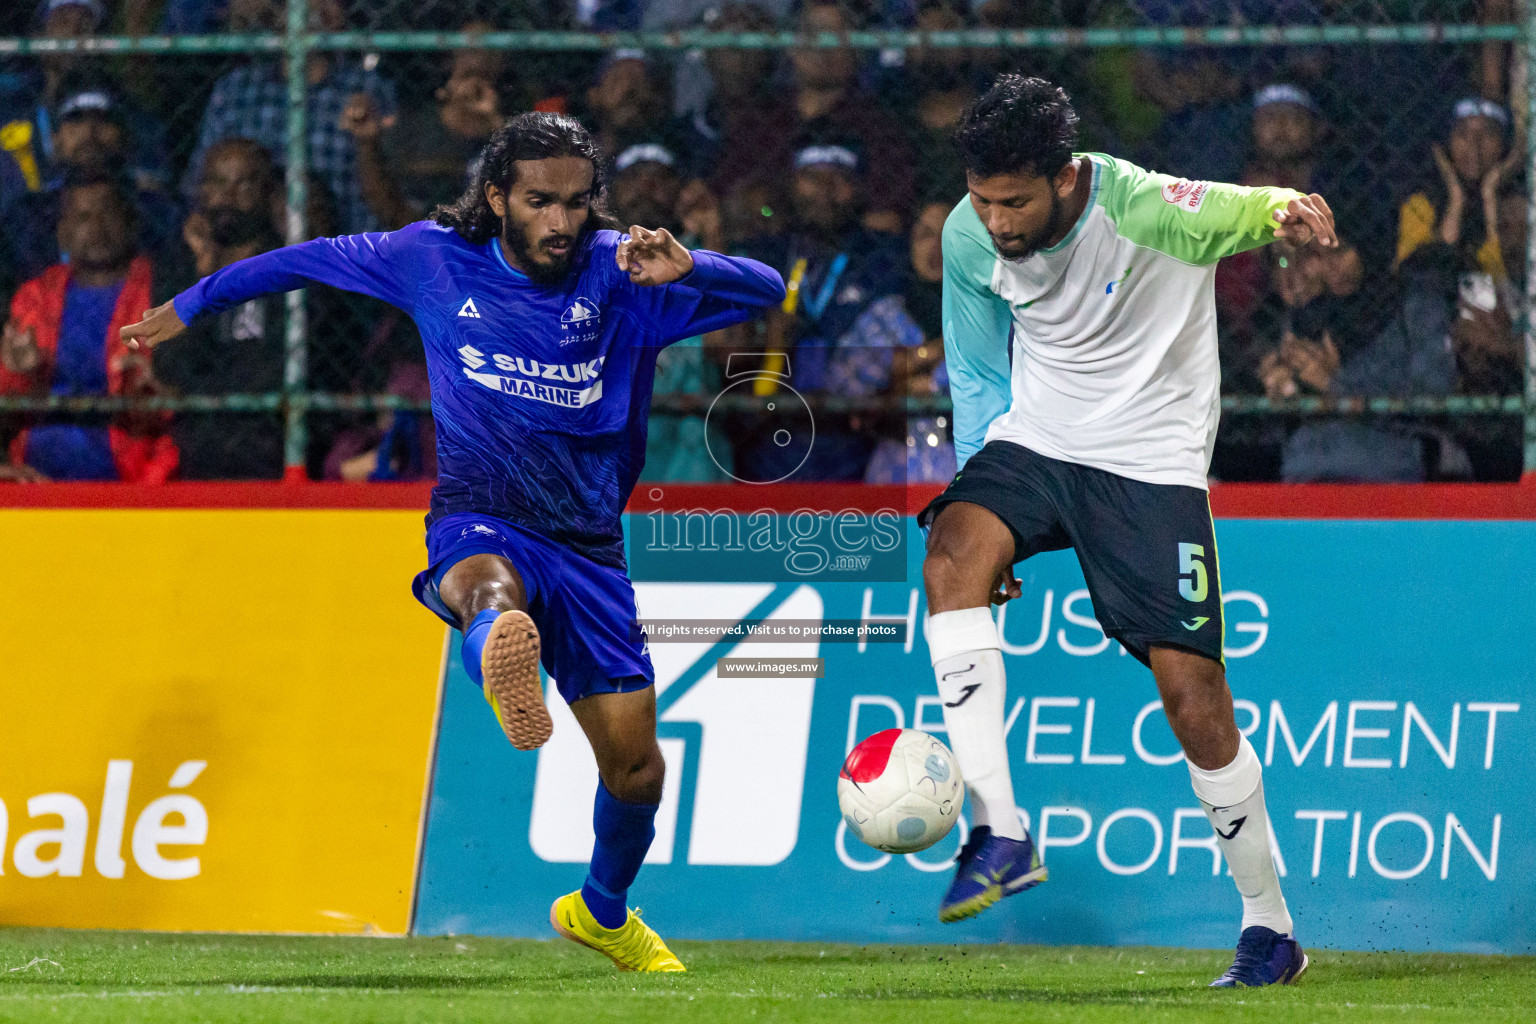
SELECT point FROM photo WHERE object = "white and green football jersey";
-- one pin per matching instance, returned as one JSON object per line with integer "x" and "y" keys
{"x": 1113, "y": 330}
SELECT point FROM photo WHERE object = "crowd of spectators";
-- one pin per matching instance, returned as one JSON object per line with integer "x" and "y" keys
{"x": 123, "y": 179}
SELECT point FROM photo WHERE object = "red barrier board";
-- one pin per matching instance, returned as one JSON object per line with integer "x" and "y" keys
{"x": 1228, "y": 501}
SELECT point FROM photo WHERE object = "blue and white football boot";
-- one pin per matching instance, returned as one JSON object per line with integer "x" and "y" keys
{"x": 990, "y": 867}
{"x": 1264, "y": 957}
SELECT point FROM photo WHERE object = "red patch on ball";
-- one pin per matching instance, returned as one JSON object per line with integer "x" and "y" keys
{"x": 866, "y": 762}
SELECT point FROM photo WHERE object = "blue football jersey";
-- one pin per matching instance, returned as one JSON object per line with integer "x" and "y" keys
{"x": 540, "y": 393}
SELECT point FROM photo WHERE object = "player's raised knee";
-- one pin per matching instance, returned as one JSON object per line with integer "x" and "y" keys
{"x": 639, "y": 780}
{"x": 964, "y": 557}
{"x": 500, "y": 595}
{"x": 483, "y": 582}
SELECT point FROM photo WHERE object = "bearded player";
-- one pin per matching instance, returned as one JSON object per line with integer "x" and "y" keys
{"x": 1080, "y": 333}
{"x": 541, "y": 335}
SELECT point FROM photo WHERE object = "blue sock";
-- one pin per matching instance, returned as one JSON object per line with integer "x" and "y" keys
{"x": 624, "y": 833}
{"x": 474, "y": 643}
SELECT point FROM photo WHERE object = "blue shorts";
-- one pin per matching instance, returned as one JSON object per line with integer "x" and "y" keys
{"x": 584, "y": 611}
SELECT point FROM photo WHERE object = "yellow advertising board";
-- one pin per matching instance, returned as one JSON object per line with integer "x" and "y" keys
{"x": 212, "y": 719}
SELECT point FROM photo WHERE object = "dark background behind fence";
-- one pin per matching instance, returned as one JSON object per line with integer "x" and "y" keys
{"x": 1399, "y": 357}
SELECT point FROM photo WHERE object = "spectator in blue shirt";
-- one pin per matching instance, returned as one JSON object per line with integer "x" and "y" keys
{"x": 62, "y": 338}
{"x": 251, "y": 102}
{"x": 192, "y": 17}
{"x": 910, "y": 323}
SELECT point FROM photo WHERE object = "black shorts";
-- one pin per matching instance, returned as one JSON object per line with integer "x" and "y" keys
{"x": 1148, "y": 551}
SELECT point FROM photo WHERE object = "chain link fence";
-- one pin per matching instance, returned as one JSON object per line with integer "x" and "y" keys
{"x": 196, "y": 133}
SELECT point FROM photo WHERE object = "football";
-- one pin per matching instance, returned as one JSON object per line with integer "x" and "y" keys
{"x": 900, "y": 791}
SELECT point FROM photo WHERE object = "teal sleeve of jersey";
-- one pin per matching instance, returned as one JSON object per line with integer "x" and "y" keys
{"x": 976, "y": 331}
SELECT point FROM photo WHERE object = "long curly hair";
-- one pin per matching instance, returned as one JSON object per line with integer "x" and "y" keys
{"x": 532, "y": 136}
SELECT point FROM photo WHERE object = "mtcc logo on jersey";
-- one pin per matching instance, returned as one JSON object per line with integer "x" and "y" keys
{"x": 579, "y": 312}
{"x": 581, "y": 320}
{"x": 737, "y": 746}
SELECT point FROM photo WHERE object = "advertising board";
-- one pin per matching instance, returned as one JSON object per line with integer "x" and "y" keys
{"x": 1381, "y": 669}
{"x": 212, "y": 719}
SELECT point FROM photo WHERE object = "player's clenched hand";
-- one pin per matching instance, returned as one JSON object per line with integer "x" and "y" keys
{"x": 159, "y": 324}
{"x": 361, "y": 119}
{"x": 1305, "y": 219}
{"x": 653, "y": 257}
{"x": 20, "y": 473}
{"x": 1008, "y": 587}
{"x": 1314, "y": 362}
{"x": 18, "y": 350}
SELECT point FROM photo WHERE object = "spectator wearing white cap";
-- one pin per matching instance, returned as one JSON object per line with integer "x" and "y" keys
{"x": 1448, "y": 329}
{"x": 29, "y": 94}
{"x": 836, "y": 269}
{"x": 1460, "y": 210}
{"x": 648, "y": 187}
{"x": 92, "y": 133}
{"x": 1464, "y": 229}
{"x": 1286, "y": 132}
{"x": 825, "y": 104}
{"x": 1198, "y": 91}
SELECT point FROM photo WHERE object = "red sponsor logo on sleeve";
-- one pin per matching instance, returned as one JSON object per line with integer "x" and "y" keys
{"x": 1186, "y": 194}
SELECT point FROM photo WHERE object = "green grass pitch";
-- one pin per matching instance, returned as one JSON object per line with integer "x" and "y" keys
{"x": 49, "y": 975}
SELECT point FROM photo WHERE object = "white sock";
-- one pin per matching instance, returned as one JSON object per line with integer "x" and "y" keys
{"x": 969, "y": 669}
{"x": 1233, "y": 800}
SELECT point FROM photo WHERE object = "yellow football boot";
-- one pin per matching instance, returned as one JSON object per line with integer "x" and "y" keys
{"x": 633, "y": 946}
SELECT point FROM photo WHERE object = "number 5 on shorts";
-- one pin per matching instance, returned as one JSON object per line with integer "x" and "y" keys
{"x": 1190, "y": 564}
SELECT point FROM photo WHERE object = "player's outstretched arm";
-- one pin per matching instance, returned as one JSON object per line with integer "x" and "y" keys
{"x": 380, "y": 265}
{"x": 1201, "y": 222}
{"x": 159, "y": 324}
